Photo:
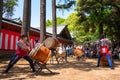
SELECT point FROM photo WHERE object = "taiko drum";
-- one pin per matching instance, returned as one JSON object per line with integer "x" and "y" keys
{"x": 51, "y": 43}
{"x": 104, "y": 61}
{"x": 41, "y": 54}
{"x": 78, "y": 52}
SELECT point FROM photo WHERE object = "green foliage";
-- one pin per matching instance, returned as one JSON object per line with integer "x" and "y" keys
{"x": 66, "y": 4}
{"x": 73, "y": 22}
{"x": 77, "y": 29}
{"x": 59, "y": 21}
{"x": 9, "y": 7}
{"x": 96, "y": 14}
{"x": 49, "y": 22}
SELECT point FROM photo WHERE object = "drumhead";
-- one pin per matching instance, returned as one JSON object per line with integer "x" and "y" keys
{"x": 51, "y": 42}
{"x": 34, "y": 52}
{"x": 31, "y": 52}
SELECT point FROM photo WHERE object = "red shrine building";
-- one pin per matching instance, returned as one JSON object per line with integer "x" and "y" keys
{"x": 11, "y": 31}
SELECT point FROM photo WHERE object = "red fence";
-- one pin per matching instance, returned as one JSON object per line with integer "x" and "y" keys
{"x": 9, "y": 39}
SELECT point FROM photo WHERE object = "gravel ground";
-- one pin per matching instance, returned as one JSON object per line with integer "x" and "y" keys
{"x": 72, "y": 70}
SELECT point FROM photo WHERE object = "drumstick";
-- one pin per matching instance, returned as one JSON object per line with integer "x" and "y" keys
{"x": 28, "y": 36}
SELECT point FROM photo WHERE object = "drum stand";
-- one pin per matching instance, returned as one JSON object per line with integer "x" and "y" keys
{"x": 40, "y": 66}
{"x": 54, "y": 54}
{"x": 59, "y": 59}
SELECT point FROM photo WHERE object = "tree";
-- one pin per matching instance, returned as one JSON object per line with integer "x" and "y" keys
{"x": 59, "y": 21}
{"x": 113, "y": 21}
{"x": 1, "y": 7}
{"x": 42, "y": 20}
{"x": 49, "y": 22}
{"x": 78, "y": 31}
{"x": 54, "y": 18}
{"x": 9, "y": 7}
{"x": 97, "y": 13}
{"x": 26, "y": 17}
{"x": 66, "y": 4}
{"x": 91, "y": 12}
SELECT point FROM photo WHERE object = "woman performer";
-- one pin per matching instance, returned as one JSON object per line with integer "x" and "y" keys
{"x": 21, "y": 52}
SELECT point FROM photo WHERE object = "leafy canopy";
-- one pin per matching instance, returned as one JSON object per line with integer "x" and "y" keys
{"x": 9, "y": 8}
{"x": 103, "y": 15}
{"x": 77, "y": 30}
{"x": 59, "y": 21}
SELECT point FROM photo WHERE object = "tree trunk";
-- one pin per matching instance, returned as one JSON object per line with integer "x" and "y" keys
{"x": 100, "y": 30}
{"x": 26, "y": 17}
{"x": 54, "y": 18}
{"x": 42, "y": 20}
{"x": 101, "y": 22}
{"x": 1, "y": 7}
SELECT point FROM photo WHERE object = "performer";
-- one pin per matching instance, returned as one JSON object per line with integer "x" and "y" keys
{"x": 61, "y": 52}
{"x": 78, "y": 52}
{"x": 105, "y": 45}
{"x": 21, "y": 52}
{"x": 37, "y": 43}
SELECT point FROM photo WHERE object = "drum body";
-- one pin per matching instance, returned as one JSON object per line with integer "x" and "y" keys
{"x": 104, "y": 61}
{"x": 78, "y": 52}
{"x": 61, "y": 53}
{"x": 51, "y": 43}
{"x": 42, "y": 54}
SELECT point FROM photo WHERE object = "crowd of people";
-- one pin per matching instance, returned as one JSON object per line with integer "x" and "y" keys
{"x": 92, "y": 50}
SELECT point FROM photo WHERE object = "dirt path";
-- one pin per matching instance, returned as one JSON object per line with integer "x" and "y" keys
{"x": 73, "y": 70}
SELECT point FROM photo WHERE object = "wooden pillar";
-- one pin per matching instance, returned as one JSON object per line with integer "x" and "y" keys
{"x": 26, "y": 17}
{"x": 1, "y": 8}
{"x": 54, "y": 18}
{"x": 42, "y": 20}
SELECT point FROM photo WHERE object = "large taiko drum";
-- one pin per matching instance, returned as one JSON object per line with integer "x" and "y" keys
{"x": 61, "y": 53}
{"x": 51, "y": 43}
{"x": 104, "y": 61}
{"x": 42, "y": 54}
{"x": 78, "y": 52}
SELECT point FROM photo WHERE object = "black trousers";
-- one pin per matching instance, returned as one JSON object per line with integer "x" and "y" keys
{"x": 15, "y": 59}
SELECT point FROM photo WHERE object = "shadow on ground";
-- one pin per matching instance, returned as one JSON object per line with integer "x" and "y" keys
{"x": 16, "y": 71}
{"x": 83, "y": 65}
{"x": 23, "y": 68}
